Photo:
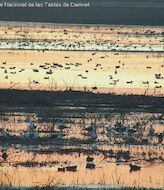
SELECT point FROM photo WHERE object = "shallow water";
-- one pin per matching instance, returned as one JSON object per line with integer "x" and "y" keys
{"x": 70, "y": 138}
{"x": 34, "y": 162}
{"x": 149, "y": 176}
{"x": 135, "y": 75}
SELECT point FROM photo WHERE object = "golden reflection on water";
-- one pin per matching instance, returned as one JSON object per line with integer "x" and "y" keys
{"x": 114, "y": 72}
{"x": 19, "y": 171}
{"x": 136, "y": 72}
{"x": 105, "y": 173}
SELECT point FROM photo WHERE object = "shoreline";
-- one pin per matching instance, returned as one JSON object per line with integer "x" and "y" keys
{"x": 79, "y": 187}
{"x": 28, "y": 98}
{"x": 74, "y": 24}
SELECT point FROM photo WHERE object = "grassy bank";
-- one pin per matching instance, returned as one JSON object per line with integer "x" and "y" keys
{"x": 25, "y": 98}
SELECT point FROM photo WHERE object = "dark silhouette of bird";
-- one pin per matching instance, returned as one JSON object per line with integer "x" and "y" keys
{"x": 134, "y": 168}
{"x": 4, "y": 155}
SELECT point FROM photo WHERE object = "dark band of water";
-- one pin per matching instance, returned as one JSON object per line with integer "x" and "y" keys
{"x": 126, "y": 12}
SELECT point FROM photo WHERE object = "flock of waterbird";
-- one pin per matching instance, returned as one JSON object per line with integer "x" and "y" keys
{"x": 109, "y": 49}
{"x": 124, "y": 125}
{"x": 43, "y": 73}
{"x": 85, "y": 38}
{"x": 99, "y": 41}
{"x": 117, "y": 129}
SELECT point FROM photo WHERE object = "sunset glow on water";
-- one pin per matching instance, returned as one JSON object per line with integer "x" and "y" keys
{"x": 81, "y": 105}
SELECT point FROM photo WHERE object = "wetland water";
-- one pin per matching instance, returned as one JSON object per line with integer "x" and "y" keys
{"x": 56, "y": 151}
{"x": 110, "y": 59}
{"x": 57, "y": 126}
